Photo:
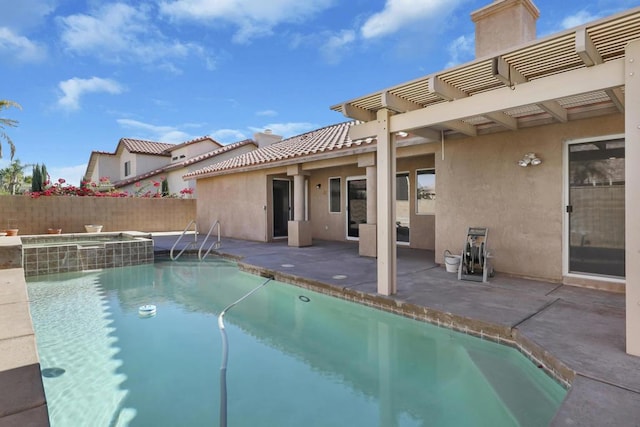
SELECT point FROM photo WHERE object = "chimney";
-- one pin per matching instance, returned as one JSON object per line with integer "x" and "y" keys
{"x": 504, "y": 24}
{"x": 266, "y": 138}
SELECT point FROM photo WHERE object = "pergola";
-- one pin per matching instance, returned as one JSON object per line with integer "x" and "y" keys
{"x": 575, "y": 74}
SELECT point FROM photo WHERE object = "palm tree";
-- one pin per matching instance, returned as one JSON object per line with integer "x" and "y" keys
{"x": 4, "y": 104}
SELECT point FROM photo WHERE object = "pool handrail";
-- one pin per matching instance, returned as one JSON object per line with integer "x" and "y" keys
{"x": 195, "y": 240}
{"x": 215, "y": 244}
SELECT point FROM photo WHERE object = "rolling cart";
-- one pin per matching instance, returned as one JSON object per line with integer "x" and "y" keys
{"x": 475, "y": 262}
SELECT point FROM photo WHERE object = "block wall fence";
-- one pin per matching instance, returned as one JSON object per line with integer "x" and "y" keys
{"x": 35, "y": 216}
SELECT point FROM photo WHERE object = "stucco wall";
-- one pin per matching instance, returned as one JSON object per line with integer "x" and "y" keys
{"x": 324, "y": 224}
{"x": 35, "y": 216}
{"x": 480, "y": 184}
{"x": 106, "y": 166}
{"x": 422, "y": 228}
{"x": 238, "y": 201}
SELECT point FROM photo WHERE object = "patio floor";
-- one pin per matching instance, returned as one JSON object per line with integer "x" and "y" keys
{"x": 572, "y": 330}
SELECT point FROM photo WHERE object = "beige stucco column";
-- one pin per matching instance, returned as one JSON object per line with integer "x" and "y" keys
{"x": 299, "y": 230}
{"x": 367, "y": 232}
{"x": 632, "y": 201}
{"x": 386, "y": 231}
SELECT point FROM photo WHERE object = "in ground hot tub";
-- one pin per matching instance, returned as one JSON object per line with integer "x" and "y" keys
{"x": 62, "y": 253}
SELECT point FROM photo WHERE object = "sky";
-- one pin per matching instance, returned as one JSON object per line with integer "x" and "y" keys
{"x": 88, "y": 73}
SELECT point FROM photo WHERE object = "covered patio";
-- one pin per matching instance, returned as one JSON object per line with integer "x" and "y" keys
{"x": 540, "y": 96}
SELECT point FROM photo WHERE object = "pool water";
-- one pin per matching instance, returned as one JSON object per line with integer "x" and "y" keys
{"x": 311, "y": 361}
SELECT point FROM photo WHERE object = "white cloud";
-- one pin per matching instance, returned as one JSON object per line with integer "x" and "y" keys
{"x": 578, "y": 18}
{"x": 25, "y": 14}
{"x": 398, "y": 14}
{"x": 337, "y": 45}
{"x": 119, "y": 32}
{"x": 226, "y": 136}
{"x": 287, "y": 130}
{"x": 73, "y": 89}
{"x": 151, "y": 132}
{"x": 19, "y": 48}
{"x": 252, "y": 18}
{"x": 267, "y": 113}
{"x": 461, "y": 50}
{"x": 71, "y": 174}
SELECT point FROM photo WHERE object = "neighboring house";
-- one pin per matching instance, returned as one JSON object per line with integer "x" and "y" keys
{"x": 136, "y": 164}
{"x": 530, "y": 140}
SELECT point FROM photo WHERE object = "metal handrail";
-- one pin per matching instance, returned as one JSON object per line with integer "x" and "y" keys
{"x": 215, "y": 244}
{"x": 195, "y": 240}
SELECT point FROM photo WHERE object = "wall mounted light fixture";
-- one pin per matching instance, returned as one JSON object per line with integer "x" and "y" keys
{"x": 529, "y": 159}
{"x": 318, "y": 186}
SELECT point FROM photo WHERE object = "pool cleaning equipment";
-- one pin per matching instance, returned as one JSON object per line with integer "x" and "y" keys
{"x": 148, "y": 310}
{"x": 475, "y": 260}
{"x": 225, "y": 354}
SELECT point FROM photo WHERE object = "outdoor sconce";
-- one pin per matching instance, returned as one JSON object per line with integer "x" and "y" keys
{"x": 529, "y": 159}
{"x": 318, "y": 186}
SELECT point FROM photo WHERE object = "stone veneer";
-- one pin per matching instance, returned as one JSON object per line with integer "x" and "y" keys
{"x": 78, "y": 252}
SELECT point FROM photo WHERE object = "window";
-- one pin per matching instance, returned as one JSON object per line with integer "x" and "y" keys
{"x": 426, "y": 191}
{"x": 127, "y": 168}
{"x": 334, "y": 195}
{"x": 402, "y": 187}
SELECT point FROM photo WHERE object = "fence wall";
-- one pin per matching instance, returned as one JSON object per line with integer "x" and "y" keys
{"x": 35, "y": 216}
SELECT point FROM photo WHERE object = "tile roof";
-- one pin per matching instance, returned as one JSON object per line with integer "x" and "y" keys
{"x": 330, "y": 139}
{"x": 193, "y": 141}
{"x": 218, "y": 151}
{"x": 184, "y": 163}
{"x": 139, "y": 146}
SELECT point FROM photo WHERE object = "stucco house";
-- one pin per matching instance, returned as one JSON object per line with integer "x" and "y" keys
{"x": 136, "y": 164}
{"x": 532, "y": 139}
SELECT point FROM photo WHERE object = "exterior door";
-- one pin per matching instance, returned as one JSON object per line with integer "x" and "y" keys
{"x": 281, "y": 207}
{"x": 403, "y": 210}
{"x": 356, "y": 206}
{"x": 596, "y": 209}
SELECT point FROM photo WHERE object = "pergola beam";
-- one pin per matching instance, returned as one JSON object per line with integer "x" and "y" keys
{"x": 430, "y": 134}
{"x": 507, "y": 74}
{"x": 396, "y": 103}
{"x": 357, "y": 113}
{"x": 449, "y": 92}
{"x": 445, "y": 90}
{"x": 576, "y": 82}
{"x": 503, "y": 119}
{"x": 462, "y": 127}
{"x": 556, "y": 110}
{"x": 617, "y": 97}
{"x": 585, "y": 48}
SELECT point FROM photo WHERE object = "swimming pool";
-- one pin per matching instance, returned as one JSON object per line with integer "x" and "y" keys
{"x": 312, "y": 361}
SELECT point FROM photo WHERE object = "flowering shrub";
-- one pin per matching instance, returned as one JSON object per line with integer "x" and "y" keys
{"x": 87, "y": 188}
{"x": 103, "y": 188}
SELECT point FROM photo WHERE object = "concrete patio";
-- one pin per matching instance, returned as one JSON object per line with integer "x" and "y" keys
{"x": 577, "y": 333}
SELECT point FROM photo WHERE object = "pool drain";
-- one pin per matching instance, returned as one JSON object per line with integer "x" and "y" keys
{"x": 304, "y": 298}
{"x": 52, "y": 372}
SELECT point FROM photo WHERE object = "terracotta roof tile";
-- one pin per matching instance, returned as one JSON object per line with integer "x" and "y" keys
{"x": 139, "y": 146}
{"x": 328, "y": 139}
{"x": 193, "y": 141}
{"x": 186, "y": 162}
